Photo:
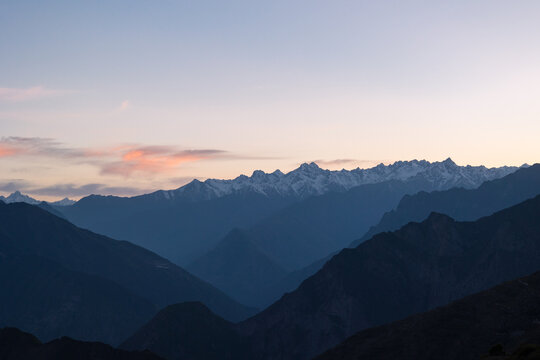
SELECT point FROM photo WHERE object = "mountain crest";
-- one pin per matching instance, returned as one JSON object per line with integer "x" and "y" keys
{"x": 309, "y": 179}
{"x": 309, "y": 166}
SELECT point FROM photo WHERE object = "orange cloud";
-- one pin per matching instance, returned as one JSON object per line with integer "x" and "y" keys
{"x": 123, "y": 160}
{"x": 155, "y": 159}
{"x": 6, "y": 151}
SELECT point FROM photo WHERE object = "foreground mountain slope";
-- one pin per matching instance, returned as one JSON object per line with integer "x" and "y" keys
{"x": 182, "y": 331}
{"x": 18, "y": 345}
{"x": 29, "y": 230}
{"x": 185, "y": 223}
{"x": 465, "y": 329}
{"x": 393, "y": 275}
{"x": 45, "y": 298}
{"x": 462, "y": 204}
{"x": 239, "y": 268}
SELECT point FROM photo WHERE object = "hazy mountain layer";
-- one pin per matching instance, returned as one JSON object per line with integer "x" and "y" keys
{"x": 69, "y": 281}
{"x": 309, "y": 179}
{"x": 239, "y": 268}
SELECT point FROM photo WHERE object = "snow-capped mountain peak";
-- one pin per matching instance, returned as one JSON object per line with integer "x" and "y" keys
{"x": 17, "y": 196}
{"x": 309, "y": 179}
{"x": 64, "y": 202}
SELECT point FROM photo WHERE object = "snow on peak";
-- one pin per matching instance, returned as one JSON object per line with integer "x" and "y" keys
{"x": 17, "y": 196}
{"x": 309, "y": 179}
{"x": 312, "y": 166}
{"x": 64, "y": 202}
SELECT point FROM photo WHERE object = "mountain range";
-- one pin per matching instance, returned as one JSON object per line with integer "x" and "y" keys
{"x": 391, "y": 276}
{"x": 309, "y": 179}
{"x": 461, "y": 204}
{"x": 63, "y": 280}
{"x": 17, "y": 196}
{"x": 255, "y": 238}
{"x": 185, "y": 223}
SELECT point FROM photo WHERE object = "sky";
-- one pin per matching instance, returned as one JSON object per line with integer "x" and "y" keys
{"x": 127, "y": 97}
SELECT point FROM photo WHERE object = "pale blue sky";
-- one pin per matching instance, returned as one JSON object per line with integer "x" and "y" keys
{"x": 259, "y": 84}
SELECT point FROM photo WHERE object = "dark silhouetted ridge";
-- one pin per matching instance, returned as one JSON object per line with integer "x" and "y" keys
{"x": 188, "y": 331}
{"x": 18, "y": 345}
{"x": 463, "y": 330}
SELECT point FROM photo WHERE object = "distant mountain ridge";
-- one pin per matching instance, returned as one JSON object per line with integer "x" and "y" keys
{"x": 309, "y": 179}
{"x": 17, "y": 196}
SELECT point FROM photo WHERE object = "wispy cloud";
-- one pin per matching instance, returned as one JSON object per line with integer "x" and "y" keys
{"x": 69, "y": 189}
{"x": 76, "y": 191}
{"x": 156, "y": 159}
{"x": 13, "y": 185}
{"x": 27, "y": 94}
{"x": 15, "y": 146}
{"x": 123, "y": 160}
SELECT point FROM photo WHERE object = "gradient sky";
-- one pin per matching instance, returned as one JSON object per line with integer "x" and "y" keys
{"x": 124, "y": 97}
